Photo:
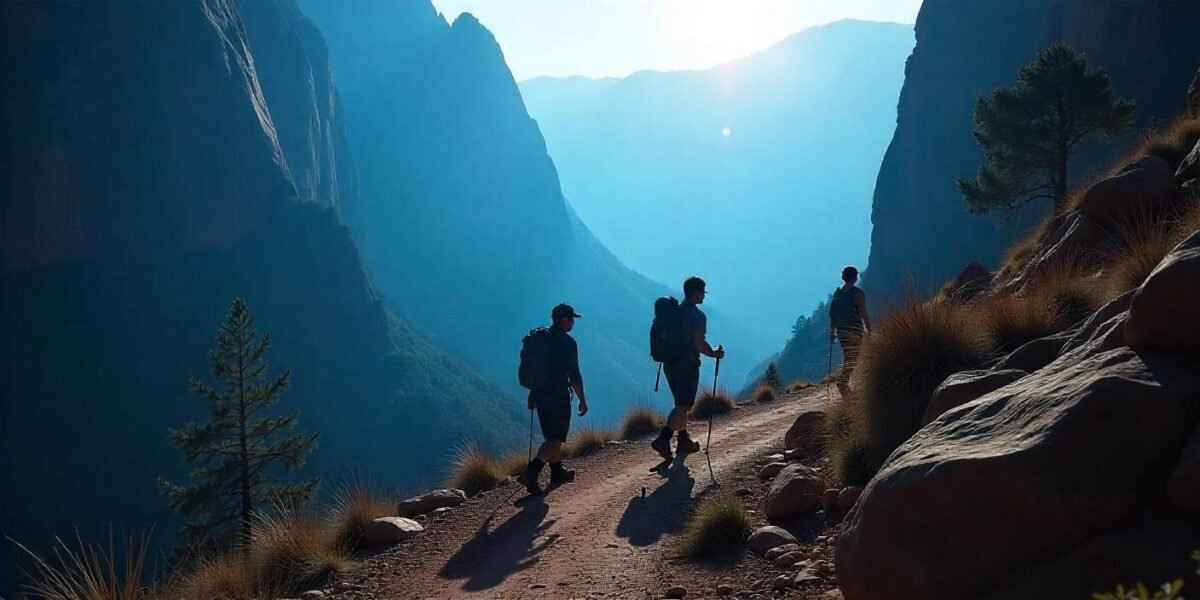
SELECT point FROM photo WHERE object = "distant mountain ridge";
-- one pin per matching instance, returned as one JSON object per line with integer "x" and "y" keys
{"x": 471, "y": 235}
{"x": 771, "y": 211}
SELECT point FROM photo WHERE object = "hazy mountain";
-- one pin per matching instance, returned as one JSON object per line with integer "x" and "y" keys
{"x": 470, "y": 233}
{"x": 771, "y": 211}
{"x": 145, "y": 184}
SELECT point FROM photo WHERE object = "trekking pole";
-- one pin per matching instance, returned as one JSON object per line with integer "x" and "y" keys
{"x": 530, "y": 458}
{"x": 708, "y": 441}
{"x": 657, "y": 376}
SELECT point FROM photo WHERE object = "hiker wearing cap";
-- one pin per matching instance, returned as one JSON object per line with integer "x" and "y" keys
{"x": 552, "y": 398}
{"x": 848, "y": 322}
{"x": 683, "y": 373}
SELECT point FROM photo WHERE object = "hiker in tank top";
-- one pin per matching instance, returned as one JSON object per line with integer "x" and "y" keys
{"x": 848, "y": 322}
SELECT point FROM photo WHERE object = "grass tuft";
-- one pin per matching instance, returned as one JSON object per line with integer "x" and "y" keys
{"x": 1142, "y": 244}
{"x": 763, "y": 393}
{"x": 1171, "y": 143}
{"x": 227, "y": 576}
{"x": 474, "y": 470}
{"x": 717, "y": 526}
{"x": 903, "y": 362}
{"x": 709, "y": 403}
{"x": 355, "y": 505}
{"x": 1020, "y": 253}
{"x": 514, "y": 462}
{"x": 87, "y": 572}
{"x": 291, "y": 551}
{"x": 641, "y": 420}
{"x": 799, "y": 385}
{"x": 588, "y": 440}
{"x": 845, "y": 438}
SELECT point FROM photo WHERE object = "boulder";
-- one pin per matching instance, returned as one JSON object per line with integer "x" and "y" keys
{"x": 806, "y": 432}
{"x": 677, "y": 592}
{"x": 419, "y": 505}
{"x": 1162, "y": 314}
{"x": 390, "y": 530}
{"x": 796, "y": 490}
{"x": 1183, "y": 487}
{"x": 1072, "y": 237}
{"x": 1087, "y": 330}
{"x": 829, "y": 500}
{"x": 1024, "y": 475}
{"x": 848, "y": 497}
{"x": 1140, "y": 188}
{"x": 973, "y": 279}
{"x": 766, "y": 538}
{"x": 787, "y": 560}
{"x": 963, "y": 387}
{"x": 778, "y": 551}
{"x": 771, "y": 470}
{"x": 1036, "y": 354}
{"x": 782, "y": 581}
{"x": 1190, "y": 167}
{"x": 794, "y": 454}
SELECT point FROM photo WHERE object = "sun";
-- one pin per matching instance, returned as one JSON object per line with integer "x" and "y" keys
{"x": 726, "y": 132}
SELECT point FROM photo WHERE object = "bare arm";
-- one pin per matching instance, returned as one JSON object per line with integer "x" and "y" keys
{"x": 703, "y": 346}
{"x": 861, "y": 303}
{"x": 576, "y": 379}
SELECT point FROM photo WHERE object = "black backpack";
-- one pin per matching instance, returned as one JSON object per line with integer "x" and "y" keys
{"x": 667, "y": 339}
{"x": 842, "y": 308}
{"x": 534, "y": 371}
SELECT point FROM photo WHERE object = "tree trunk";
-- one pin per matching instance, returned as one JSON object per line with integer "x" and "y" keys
{"x": 1060, "y": 184}
{"x": 243, "y": 451}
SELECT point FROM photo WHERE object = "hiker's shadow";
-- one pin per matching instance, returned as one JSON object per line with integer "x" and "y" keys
{"x": 647, "y": 519}
{"x": 491, "y": 555}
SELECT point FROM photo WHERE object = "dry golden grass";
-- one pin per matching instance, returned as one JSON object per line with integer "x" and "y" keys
{"x": 587, "y": 441}
{"x": 1172, "y": 143}
{"x": 515, "y": 462}
{"x": 719, "y": 525}
{"x": 227, "y": 577}
{"x": 1142, "y": 244}
{"x": 1012, "y": 321}
{"x": 763, "y": 393}
{"x": 474, "y": 470}
{"x": 903, "y": 362}
{"x": 291, "y": 550}
{"x": 1020, "y": 253}
{"x": 88, "y": 572}
{"x": 709, "y": 403}
{"x": 355, "y": 505}
{"x": 641, "y": 420}
{"x": 799, "y": 385}
{"x": 845, "y": 441}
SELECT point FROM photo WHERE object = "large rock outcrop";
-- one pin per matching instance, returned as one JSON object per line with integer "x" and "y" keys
{"x": 923, "y": 232}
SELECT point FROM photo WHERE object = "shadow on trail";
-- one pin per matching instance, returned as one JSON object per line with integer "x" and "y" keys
{"x": 491, "y": 555}
{"x": 647, "y": 519}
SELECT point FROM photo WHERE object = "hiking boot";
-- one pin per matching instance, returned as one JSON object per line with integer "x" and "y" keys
{"x": 529, "y": 479}
{"x": 687, "y": 445}
{"x": 662, "y": 445}
{"x": 563, "y": 476}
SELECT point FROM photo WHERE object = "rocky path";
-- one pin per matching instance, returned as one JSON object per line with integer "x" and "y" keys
{"x": 609, "y": 534}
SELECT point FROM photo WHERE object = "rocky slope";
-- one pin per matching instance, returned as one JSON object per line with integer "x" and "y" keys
{"x": 145, "y": 183}
{"x": 922, "y": 233}
{"x": 471, "y": 235}
{"x": 645, "y": 162}
{"x": 1068, "y": 466}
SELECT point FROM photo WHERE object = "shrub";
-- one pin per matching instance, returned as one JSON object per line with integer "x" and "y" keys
{"x": 1168, "y": 591}
{"x": 1011, "y": 321}
{"x": 763, "y": 393}
{"x": 710, "y": 403}
{"x": 799, "y": 385}
{"x": 514, "y": 462}
{"x": 641, "y": 420}
{"x": 227, "y": 576}
{"x": 355, "y": 505}
{"x": 90, "y": 572}
{"x": 845, "y": 440}
{"x": 717, "y": 525}
{"x": 474, "y": 470}
{"x": 1143, "y": 243}
{"x": 291, "y": 551}
{"x": 587, "y": 441}
{"x": 1171, "y": 143}
{"x": 903, "y": 362}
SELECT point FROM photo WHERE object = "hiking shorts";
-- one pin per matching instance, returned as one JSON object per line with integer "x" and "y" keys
{"x": 684, "y": 381}
{"x": 554, "y": 414}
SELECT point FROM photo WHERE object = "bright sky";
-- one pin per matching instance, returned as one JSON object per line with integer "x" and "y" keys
{"x": 614, "y": 38}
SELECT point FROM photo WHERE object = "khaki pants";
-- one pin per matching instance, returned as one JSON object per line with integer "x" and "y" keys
{"x": 850, "y": 340}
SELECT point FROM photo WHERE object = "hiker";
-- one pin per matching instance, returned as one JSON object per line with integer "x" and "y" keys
{"x": 848, "y": 322}
{"x": 683, "y": 373}
{"x": 551, "y": 397}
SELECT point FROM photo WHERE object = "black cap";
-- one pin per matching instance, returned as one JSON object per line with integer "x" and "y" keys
{"x": 563, "y": 311}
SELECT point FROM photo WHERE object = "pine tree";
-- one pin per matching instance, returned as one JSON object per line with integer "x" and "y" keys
{"x": 1029, "y": 131}
{"x": 772, "y": 377}
{"x": 234, "y": 452}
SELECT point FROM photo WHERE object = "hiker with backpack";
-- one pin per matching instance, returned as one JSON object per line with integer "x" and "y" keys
{"x": 550, "y": 371}
{"x": 677, "y": 339}
{"x": 848, "y": 323}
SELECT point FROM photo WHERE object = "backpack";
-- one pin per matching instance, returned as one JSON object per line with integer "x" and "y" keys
{"x": 534, "y": 370}
{"x": 667, "y": 340}
{"x": 842, "y": 310}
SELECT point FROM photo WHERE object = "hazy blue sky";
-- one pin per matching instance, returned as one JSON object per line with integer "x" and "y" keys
{"x": 617, "y": 37}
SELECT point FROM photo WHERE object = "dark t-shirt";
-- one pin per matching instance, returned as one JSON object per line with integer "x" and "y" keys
{"x": 564, "y": 362}
{"x": 693, "y": 321}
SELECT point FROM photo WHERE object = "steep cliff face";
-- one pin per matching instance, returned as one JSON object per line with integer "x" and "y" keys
{"x": 471, "y": 235}
{"x": 145, "y": 185}
{"x": 922, "y": 233}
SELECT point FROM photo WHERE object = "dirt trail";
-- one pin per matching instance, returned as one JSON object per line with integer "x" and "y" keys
{"x": 596, "y": 536}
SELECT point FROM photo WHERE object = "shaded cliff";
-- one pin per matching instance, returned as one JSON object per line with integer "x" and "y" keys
{"x": 471, "y": 235}
{"x": 144, "y": 184}
{"x": 922, "y": 232}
